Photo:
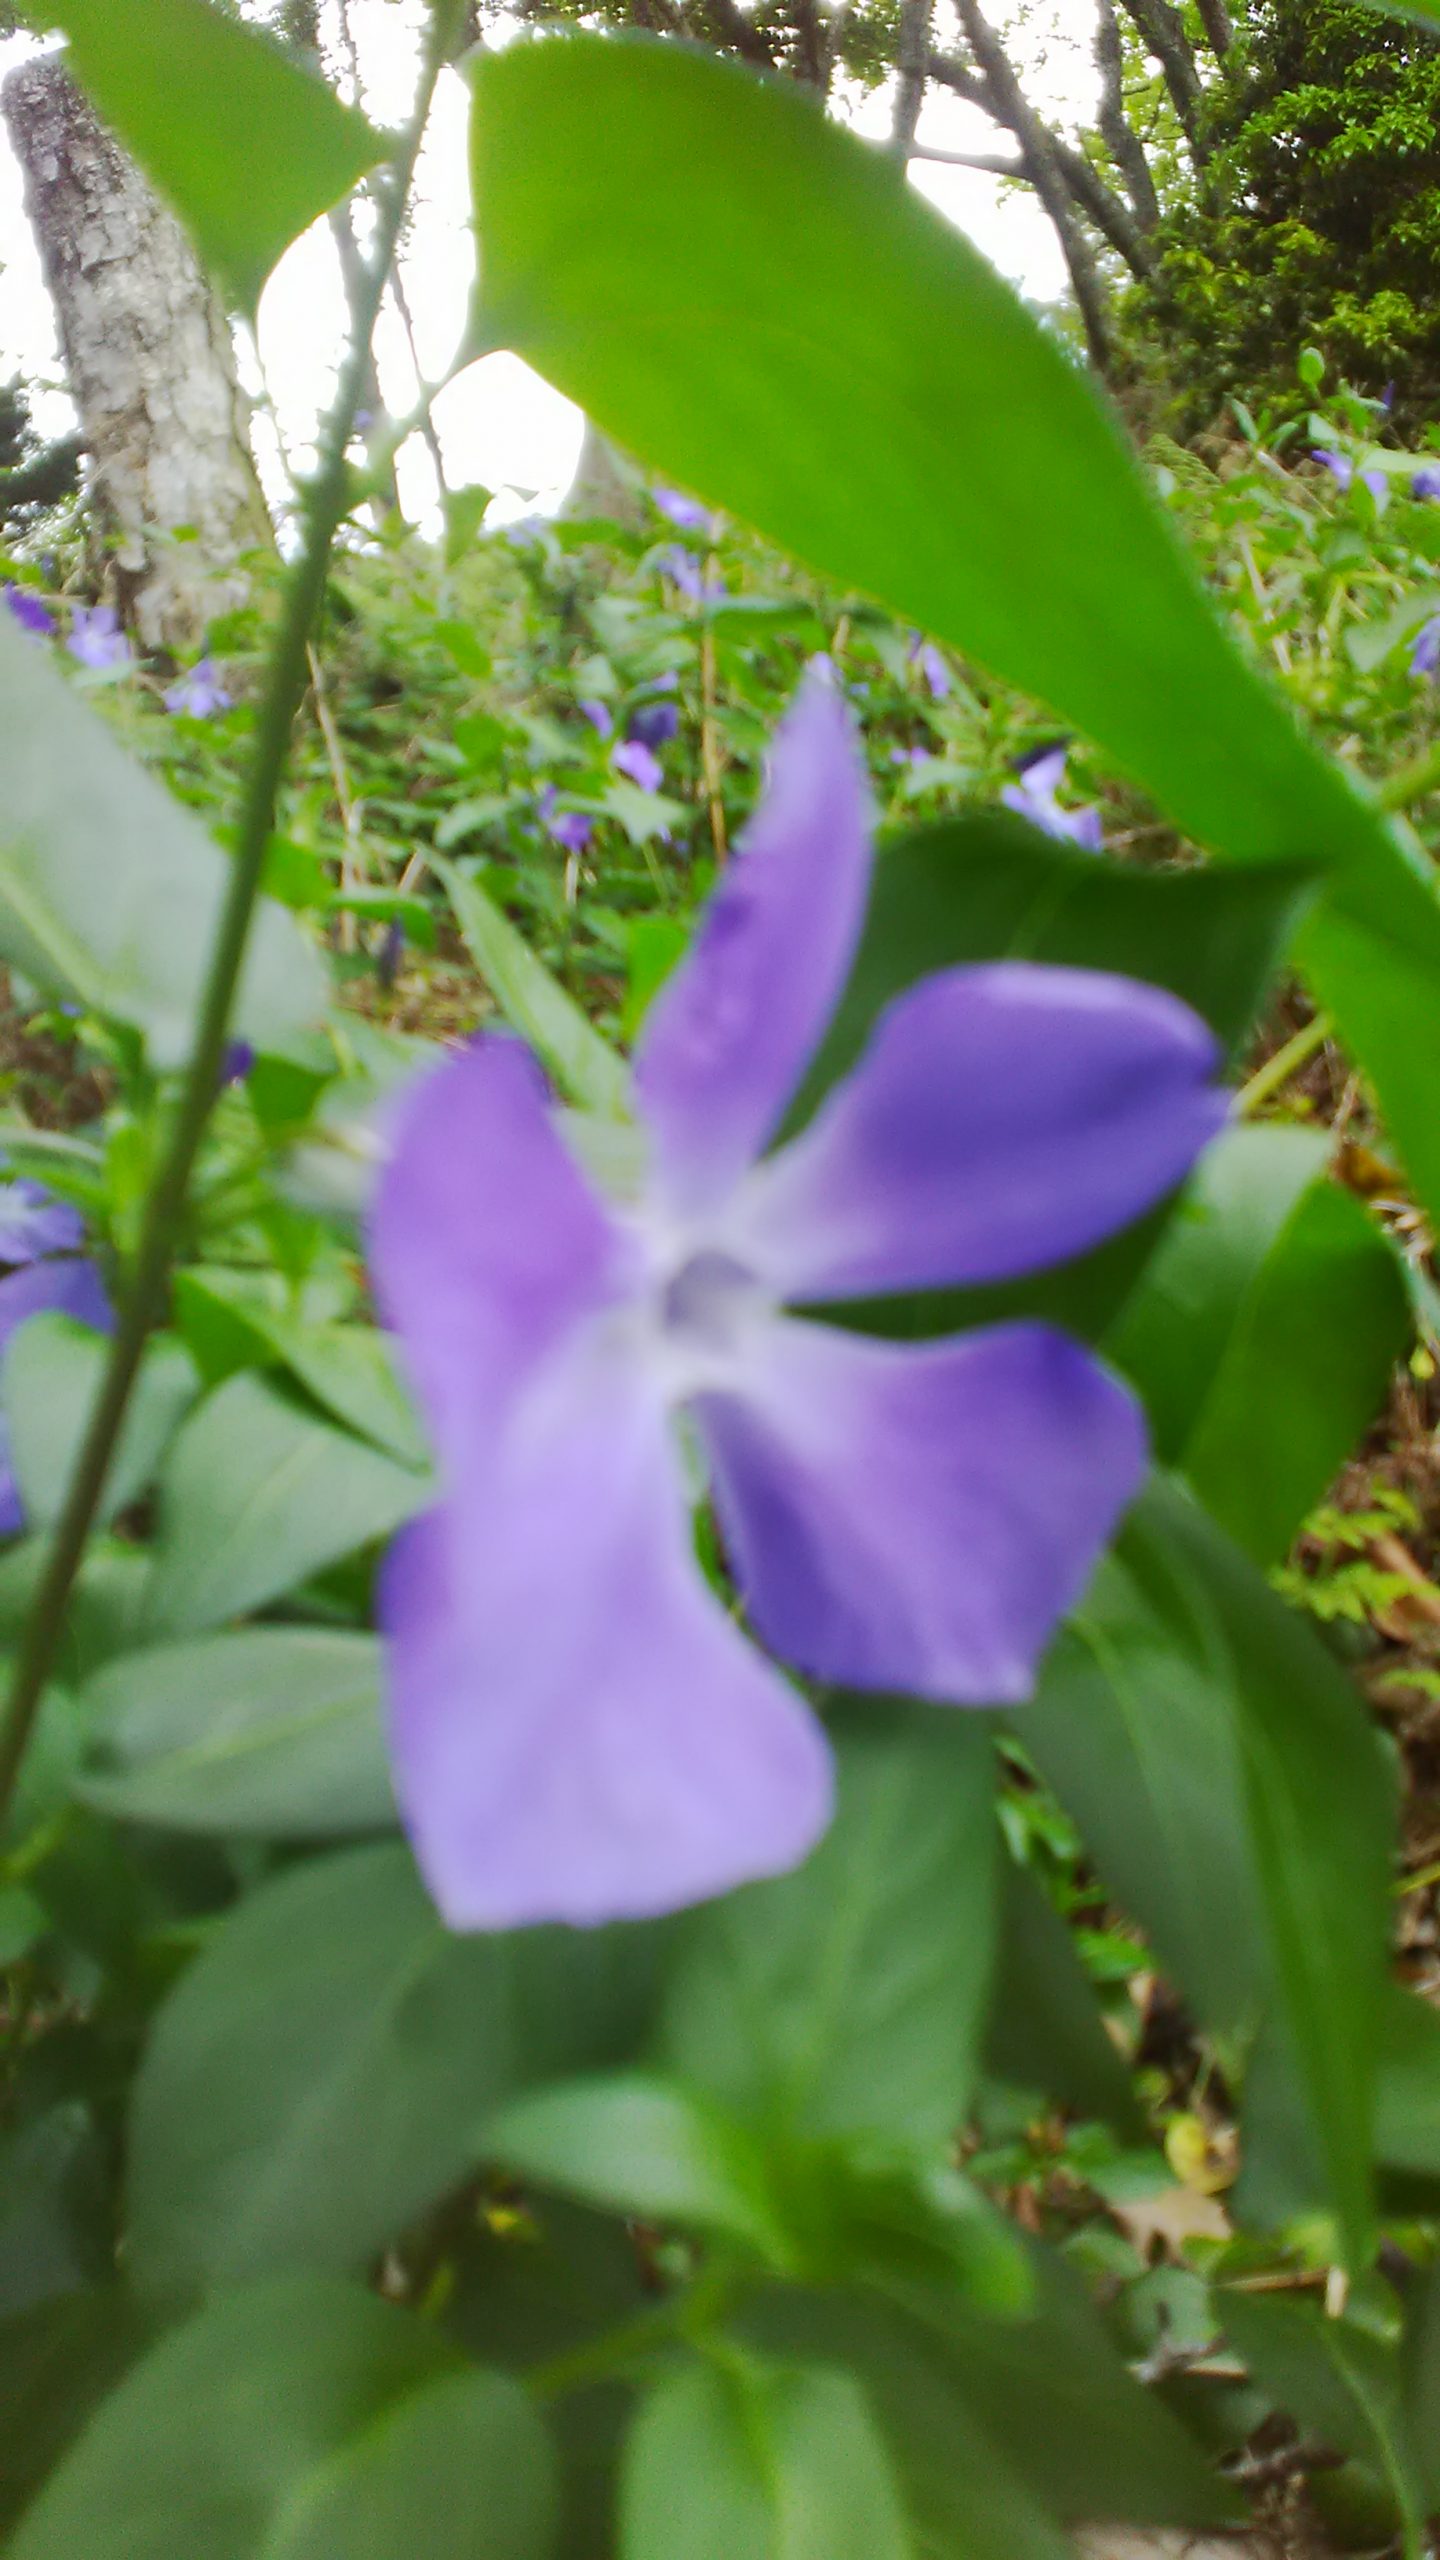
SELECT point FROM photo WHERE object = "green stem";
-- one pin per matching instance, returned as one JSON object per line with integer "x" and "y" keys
{"x": 1277, "y": 1071}
{"x": 284, "y": 692}
{"x": 1413, "y": 781}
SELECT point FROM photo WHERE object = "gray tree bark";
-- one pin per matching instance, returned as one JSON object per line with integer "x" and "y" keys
{"x": 911, "y": 72}
{"x": 1162, "y": 30}
{"x": 1122, "y": 141}
{"x": 150, "y": 364}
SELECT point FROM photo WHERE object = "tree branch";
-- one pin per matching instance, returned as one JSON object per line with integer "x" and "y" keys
{"x": 912, "y": 64}
{"x": 1162, "y": 31}
{"x": 1219, "y": 26}
{"x": 1119, "y": 135}
{"x": 993, "y": 163}
{"x": 1011, "y": 107}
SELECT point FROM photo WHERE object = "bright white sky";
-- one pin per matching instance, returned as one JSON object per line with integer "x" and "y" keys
{"x": 499, "y": 423}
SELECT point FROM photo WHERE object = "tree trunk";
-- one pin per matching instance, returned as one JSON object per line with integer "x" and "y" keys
{"x": 150, "y": 364}
{"x": 1122, "y": 141}
{"x": 1162, "y": 29}
{"x": 602, "y": 486}
{"x": 912, "y": 67}
{"x": 1219, "y": 26}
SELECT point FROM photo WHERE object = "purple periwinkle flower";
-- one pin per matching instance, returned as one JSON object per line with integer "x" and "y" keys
{"x": 686, "y": 514}
{"x": 569, "y": 828}
{"x": 598, "y": 715}
{"x": 580, "y": 1730}
{"x": 1034, "y": 797}
{"x": 654, "y": 724}
{"x": 635, "y": 760}
{"x": 237, "y": 1062}
{"x": 199, "y": 694}
{"x": 1425, "y": 655}
{"x": 96, "y": 638}
{"x": 1426, "y": 483}
{"x": 39, "y": 1235}
{"x": 1342, "y": 468}
{"x": 684, "y": 571}
{"x": 30, "y": 611}
{"x": 922, "y": 653}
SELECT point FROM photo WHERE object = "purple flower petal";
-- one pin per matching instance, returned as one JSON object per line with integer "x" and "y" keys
{"x": 920, "y": 1519}
{"x": 487, "y": 1244}
{"x": 1033, "y": 796}
{"x": 579, "y": 1731}
{"x": 922, "y": 653}
{"x": 598, "y": 716}
{"x": 1425, "y": 655}
{"x": 1002, "y": 1118}
{"x": 1339, "y": 465}
{"x": 199, "y": 693}
{"x": 33, "y": 1223}
{"x": 96, "y": 638}
{"x": 734, "y": 1028}
{"x": 29, "y": 611}
{"x": 1426, "y": 483}
{"x": 638, "y": 764}
{"x": 572, "y": 831}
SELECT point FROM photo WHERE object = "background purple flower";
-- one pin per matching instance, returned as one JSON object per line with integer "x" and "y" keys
{"x": 635, "y": 760}
{"x": 654, "y": 724}
{"x": 39, "y": 1235}
{"x": 684, "y": 571}
{"x": 685, "y": 513}
{"x": 569, "y": 828}
{"x": 1034, "y": 797}
{"x": 579, "y": 1729}
{"x": 598, "y": 716}
{"x": 1342, "y": 469}
{"x": 1426, "y": 483}
{"x": 922, "y": 653}
{"x": 34, "y": 1223}
{"x": 30, "y": 611}
{"x": 198, "y": 693}
{"x": 96, "y": 638}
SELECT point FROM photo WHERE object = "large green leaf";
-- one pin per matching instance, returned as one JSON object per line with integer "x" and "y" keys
{"x": 59, "y": 2361}
{"x": 110, "y": 891}
{"x": 759, "y": 2465}
{"x": 1219, "y": 1761}
{"x": 303, "y": 2420}
{"x": 644, "y": 2147}
{"x": 1046, "y": 2032}
{"x": 1264, "y": 1331}
{"x": 843, "y": 369}
{"x": 1340, "y": 2380}
{"x": 325, "y": 2069}
{"x": 50, "y": 1377}
{"x": 275, "y": 1730}
{"x": 249, "y": 148}
{"x": 257, "y": 1494}
{"x": 848, "y": 2000}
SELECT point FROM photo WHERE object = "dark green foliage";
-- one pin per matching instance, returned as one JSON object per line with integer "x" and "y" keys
{"x": 1317, "y": 220}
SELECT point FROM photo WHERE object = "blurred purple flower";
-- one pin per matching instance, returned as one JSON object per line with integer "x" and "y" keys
{"x": 686, "y": 514}
{"x": 598, "y": 716}
{"x": 40, "y": 1236}
{"x": 654, "y": 724}
{"x": 684, "y": 571}
{"x": 569, "y": 828}
{"x": 34, "y": 1223}
{"x": 30, "y": 611}
{"x": 237, "y": 1062}
{"x": 1426, "y": 483}
{"x": 1425, "y": 655}
{"x": 915, "y": 756}
{"x": 1343, "y": 470}
{"x": 1033, "y": 797}
{"x": 96, "y": 638}
{"x": 199, "y": 692}
{"x": 922, "y": 653}
{"x": 579, "y": 1727}
{"x": 390, "y": 954}
{"x": 635, "y": 759}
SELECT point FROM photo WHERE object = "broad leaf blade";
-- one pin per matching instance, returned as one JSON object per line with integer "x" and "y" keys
{"x": 110, "y": 891}
{"x": 971, "y": 479}
{"x": 303, "y": 2418}
{"x": 534, "y": 1003}
{"x": 644, "y": 2147}
{"x": 258, "y": 150}
{"x": 275, "y": 1731}
{"x": 50, "y": 1378}
{"x": 325, "y": 2069}
{"x": 760, "y": 2466}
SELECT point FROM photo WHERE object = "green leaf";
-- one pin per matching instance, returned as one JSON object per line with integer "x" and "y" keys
{"x": 760, "y": 2466}
{"x": 350, "y": 1369}
{"x": 276, "y": 1731}
{"x": 1264, "y": 1332}
{"x": 1046, "y": 2032}
{"x": 1407, "y": 2102}
{"x": 1421, "y": 13}
{"x": 325, "y": 2070}
{"x": 847, "y": 2001}
{"x": 128, "y": 935}
{"x": 973, "y": 480}
{"x": 1422, "y": 2381}
{"x": 644, "y": 2147}
{"x": 59, "y": 2361}
{"x": 51, "y": 1375}
{"x": 534, "y": 1003}
{"x": 1338, "y": 2379}
{"x": 257, "y": 1494}
{"x": 297, "y": 2421}
{"x": 258, "y": 150}
{"x": 1218, "y": 1761}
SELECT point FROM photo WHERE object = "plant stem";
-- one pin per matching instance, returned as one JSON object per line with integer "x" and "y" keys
{"x": 284, "y": 692}
{"x": 1277, "y": 1071}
